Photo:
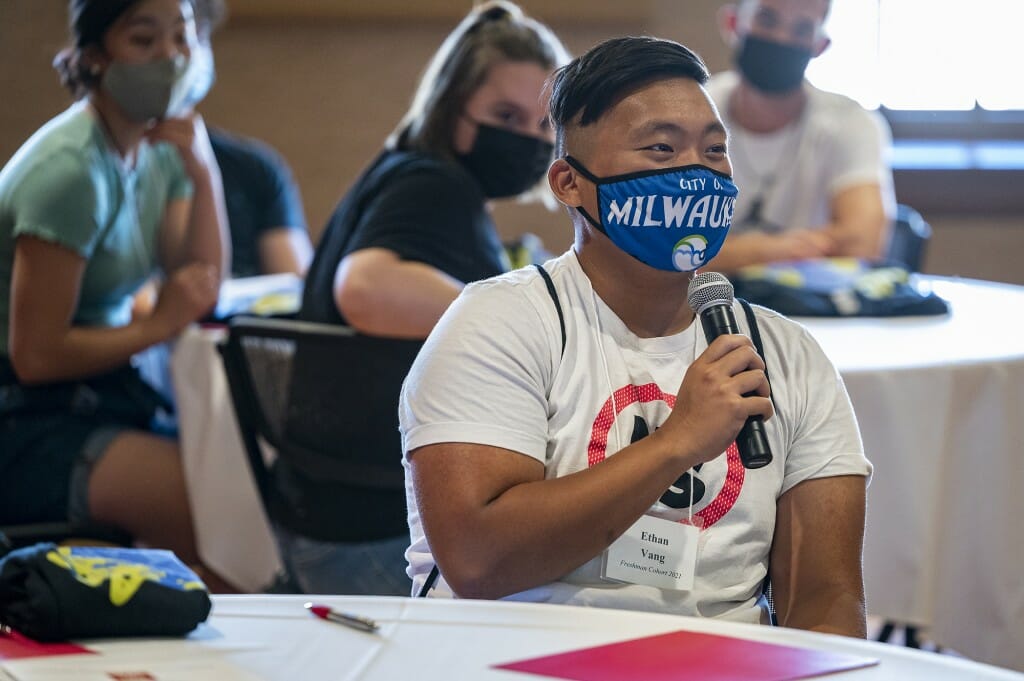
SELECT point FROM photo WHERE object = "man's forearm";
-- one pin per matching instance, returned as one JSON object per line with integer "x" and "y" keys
{"x": 828, "y": 610}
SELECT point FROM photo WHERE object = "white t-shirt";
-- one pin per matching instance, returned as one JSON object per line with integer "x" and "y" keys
{"x": 492, "y": 372}
{"x": 796, "y": 171}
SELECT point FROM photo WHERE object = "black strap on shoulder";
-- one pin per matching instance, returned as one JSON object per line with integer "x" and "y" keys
{"x": 755, "y": 333}
{"x": 429, "y": 584}
{"x": 554, "y": 298}
{"x": 755, "y": 336}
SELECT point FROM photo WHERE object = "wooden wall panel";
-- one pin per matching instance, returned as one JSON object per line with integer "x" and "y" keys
{"x": 589, "y": 11}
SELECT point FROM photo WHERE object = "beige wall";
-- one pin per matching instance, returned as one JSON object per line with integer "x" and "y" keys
{"x": 326, "y": 90}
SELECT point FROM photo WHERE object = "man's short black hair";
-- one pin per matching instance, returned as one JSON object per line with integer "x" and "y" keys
{"x": 591, "y": 84}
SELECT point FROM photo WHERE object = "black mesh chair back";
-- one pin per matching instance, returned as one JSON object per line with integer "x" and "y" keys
{"x": 257, "y": 363}
{"x": 325, "y": 398}
{"x": 909, "y": 239}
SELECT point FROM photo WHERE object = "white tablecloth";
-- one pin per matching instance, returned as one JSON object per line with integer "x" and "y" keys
{"x": 232, "y": 530}
{"x": 940, "y": 401}
{"x": 274, "y": 638}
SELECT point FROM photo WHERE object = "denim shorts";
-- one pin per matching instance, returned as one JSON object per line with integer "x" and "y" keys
{"x": 93, "y": 449}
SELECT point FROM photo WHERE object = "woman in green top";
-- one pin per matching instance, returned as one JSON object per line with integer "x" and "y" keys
{"x": 120, "y": 186}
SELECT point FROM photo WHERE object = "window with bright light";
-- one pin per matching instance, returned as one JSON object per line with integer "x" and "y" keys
{"x": 924, "y": 54}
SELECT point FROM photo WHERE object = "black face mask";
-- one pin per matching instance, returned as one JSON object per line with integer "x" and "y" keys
{"x": 506, "y": 163}
{"x": 772, "y": 67}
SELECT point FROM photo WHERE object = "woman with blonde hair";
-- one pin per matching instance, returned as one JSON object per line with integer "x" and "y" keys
{"x": 408, "y": 235}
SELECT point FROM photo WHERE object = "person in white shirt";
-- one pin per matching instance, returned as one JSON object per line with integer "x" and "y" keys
{"x": 585, "y": 454}
{"x": 811, "y": 165}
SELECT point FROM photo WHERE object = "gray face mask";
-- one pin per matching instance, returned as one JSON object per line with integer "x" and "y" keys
{"x": 150, "y": 90}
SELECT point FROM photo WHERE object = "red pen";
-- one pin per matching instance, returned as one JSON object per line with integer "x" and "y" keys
{"x": 348, "y": 619}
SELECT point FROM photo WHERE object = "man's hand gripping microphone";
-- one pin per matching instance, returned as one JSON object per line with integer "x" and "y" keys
{"x": 711, "y": 295}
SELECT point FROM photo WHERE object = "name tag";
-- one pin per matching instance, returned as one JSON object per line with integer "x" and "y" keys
{"x": 654, "y": 552}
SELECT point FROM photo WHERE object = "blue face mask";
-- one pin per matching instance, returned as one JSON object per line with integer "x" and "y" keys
{"x": 673, "y": 219}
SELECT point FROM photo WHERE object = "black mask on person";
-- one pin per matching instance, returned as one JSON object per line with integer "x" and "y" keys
{"x": 772, "y": 67}
{"x": 506, "y": 163}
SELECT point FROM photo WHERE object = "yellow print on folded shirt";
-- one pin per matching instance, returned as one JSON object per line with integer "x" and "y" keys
{"x": 126, "y": 576}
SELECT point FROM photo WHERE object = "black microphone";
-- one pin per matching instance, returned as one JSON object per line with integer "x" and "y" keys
{"x": 711, "y": 295}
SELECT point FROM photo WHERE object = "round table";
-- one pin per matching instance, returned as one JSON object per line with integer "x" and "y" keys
{"x": 274, "y": 638}
{"x": 940, "y": 403}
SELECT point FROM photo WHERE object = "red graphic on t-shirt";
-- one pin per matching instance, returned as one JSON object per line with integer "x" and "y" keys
{"x": 629, "y": 394}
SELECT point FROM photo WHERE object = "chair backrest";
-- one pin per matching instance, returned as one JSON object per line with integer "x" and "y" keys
{"x": 325, "y": 398}
{"x": 909, "y": 238}
{"x": 257, "y": 360}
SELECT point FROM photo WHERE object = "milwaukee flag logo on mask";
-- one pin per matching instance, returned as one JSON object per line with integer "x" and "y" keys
{"x": 672, "y": 219}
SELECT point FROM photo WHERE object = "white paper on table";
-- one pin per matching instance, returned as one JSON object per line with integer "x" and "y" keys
{"x": 260, "y": 295}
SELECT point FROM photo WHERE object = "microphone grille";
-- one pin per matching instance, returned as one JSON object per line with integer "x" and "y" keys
{"x": 709, "y": 288}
